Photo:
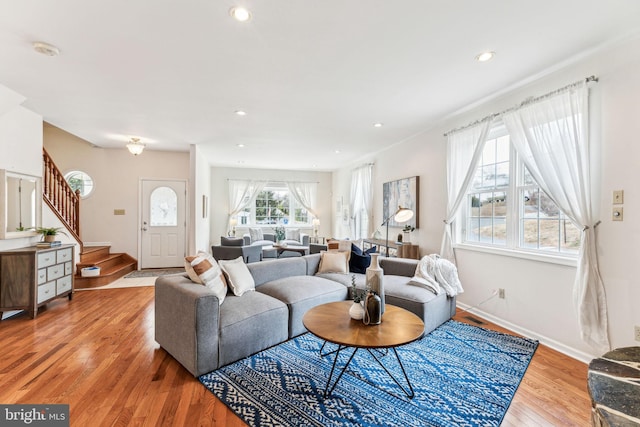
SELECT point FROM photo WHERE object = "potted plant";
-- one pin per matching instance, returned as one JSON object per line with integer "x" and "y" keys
{"x": 407, "y": 233}
{"x": 280, "y": 234}
{"x": 49, "y": 233}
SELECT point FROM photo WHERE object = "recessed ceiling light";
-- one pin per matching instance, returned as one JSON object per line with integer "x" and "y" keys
{"x": 241, "y": 113}
{"x": 485, "y": 56}
{"x": 337, "y": 151}
{"x": 46, "y": 49}
{"x": 377, "y": 125}
{"x": 240, "y": 145}
{"x": 240, "y": 14}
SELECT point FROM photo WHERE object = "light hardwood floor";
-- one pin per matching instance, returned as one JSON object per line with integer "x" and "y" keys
{"x": 97, "y": 353}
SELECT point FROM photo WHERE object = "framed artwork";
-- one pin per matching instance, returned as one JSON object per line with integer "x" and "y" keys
{"x": 402, "y": 192}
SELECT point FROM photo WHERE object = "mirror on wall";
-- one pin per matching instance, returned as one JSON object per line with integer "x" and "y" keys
{"x": 21, "y": 203}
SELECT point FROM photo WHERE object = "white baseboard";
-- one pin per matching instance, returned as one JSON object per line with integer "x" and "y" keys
{"x": 558, "y": 346}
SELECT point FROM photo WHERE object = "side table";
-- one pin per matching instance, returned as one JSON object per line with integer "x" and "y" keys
{"x": 614, "y": 387}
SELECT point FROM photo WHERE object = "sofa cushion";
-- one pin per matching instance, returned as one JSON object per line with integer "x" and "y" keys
{"x": 203, "y": 269}
{"x": 256, "y": 234}
{"x": 292, "y": 234}
{"x": 238, "y": 276}
{"x": 249, "y": 324}
{"x": 262, "y": 243}
{"x": 302, "y": 293}
{"x": 333, "y": 262}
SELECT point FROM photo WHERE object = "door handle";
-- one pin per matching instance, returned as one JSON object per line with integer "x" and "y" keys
{"x": 144, "y": 225}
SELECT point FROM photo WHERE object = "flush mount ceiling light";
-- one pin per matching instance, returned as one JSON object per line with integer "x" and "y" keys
{"x": 240, "y": 14}
{"x": 485, "y": 56}
{"x": 135, "y": 147}
{"x": 377, "y": 125}
{"x": 46, "y": 49}
{"x": 241, "y": 113}
{"x": 240, "y": 145}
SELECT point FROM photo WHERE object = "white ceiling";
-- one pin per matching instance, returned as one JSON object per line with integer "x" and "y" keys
{"x": 312, "y": 75}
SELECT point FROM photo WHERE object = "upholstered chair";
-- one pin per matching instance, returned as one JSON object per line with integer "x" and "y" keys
{"x": 232, "y": 248}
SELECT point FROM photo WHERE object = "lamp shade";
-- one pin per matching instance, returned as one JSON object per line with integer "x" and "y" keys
{"x": 403, "y": 214}
{"x": 233, "y": 222}
{"x": 315, "y": 222}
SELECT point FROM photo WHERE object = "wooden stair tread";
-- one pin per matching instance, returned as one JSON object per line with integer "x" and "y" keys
{"x": 112, "y": 266}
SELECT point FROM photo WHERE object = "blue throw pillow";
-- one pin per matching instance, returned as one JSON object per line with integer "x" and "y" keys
{"x": 371, "y": 250}
{"x": 355, "y": 250}
{"x": 359, "y": 263}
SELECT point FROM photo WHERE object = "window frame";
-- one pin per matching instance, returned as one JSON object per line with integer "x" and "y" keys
{"x": 294, "y": 205}
{"x": 514, "y": 215}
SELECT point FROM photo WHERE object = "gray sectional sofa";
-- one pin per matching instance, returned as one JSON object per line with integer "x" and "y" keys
{"x": 203, "y": 335}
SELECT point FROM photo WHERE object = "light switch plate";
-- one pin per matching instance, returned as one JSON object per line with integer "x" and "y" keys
{"x": 616, "y": 214}
{"x": 118, "y": 211}
{"x": 618, "y": 197}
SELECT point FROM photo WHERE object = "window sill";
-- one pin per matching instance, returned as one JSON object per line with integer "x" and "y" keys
{"x": 568, "y": 260}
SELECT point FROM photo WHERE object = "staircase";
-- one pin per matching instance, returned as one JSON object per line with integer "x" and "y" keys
{"x": 65, "y": 203}
{"x": 112, "y": 266}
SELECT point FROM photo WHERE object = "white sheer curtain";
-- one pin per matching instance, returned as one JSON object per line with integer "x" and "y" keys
{"x": 464, "y": 149}
{"x": 361, "y": 197}
{"x": 306, "y": 194}
{"x": 241, "y": 194}
{"x": 551, "y": 136}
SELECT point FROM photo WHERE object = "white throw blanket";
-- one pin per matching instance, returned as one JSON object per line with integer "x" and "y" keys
{"x": 438, "y": 275}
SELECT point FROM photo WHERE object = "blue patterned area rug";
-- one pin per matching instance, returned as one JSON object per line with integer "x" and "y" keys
{"x": 462, "y": 376}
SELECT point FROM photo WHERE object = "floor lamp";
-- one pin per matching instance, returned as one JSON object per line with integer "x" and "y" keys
{"x": 399, "y": 216}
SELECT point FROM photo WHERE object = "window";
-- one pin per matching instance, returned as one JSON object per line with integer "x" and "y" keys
{"x": 506, "y": 209}
{"x": 79, "y": 180}
{"x": 274, "y": 205}
{"x": 164, "y": 207}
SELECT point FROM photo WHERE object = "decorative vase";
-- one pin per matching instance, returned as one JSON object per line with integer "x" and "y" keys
{"x": 49, "y": 238}
{"x": 407, "y": 237}
{"x": 372, "y": 306}
{"x": 374, "y": 279}
{"x": 356, "y": 311}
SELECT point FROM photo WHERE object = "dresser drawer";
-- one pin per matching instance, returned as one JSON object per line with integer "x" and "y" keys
{"x": 63, "y": 255}
{"x": 55, "y": 272}
{"x": 63, "y": 285}
{"x": 42, "y": 276}
{"x": 46, "y": 291}
{"x": 68, "y": 268}
{"x": 45, "y": 259}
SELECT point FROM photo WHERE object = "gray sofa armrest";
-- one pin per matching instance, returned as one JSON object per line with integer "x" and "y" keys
{"x": 304, "y": 239}
{"x": 247, "y": 239}
{"x": 187, "y": 319}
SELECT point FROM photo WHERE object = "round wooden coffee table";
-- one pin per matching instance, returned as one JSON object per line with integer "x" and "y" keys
{"x": 332, "y": 323}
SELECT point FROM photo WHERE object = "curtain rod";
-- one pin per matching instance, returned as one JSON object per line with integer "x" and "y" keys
{"x": 273, "y": 180}
{"x": 523, "y": 103}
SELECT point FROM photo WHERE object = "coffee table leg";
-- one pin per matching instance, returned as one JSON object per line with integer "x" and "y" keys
{"x": 409, "y": 395}
{"x": 327, "y": 391}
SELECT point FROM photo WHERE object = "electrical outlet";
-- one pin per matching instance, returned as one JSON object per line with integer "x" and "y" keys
{"x": 501, "y": 293}
{"x": 637, "y": 330}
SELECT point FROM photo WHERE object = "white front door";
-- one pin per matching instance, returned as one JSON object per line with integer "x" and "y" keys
{"x": 163, "y": 224}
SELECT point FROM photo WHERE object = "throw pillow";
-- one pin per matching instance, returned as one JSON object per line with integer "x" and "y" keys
{"x": 256, "y": 234}
{"x": 355, "y": 249}
{"x": 238, "y": 276}
{"x": 204, "y": 269}
{"x": 333, "y": 262}
{"x": 359, "y": 263}
{"x": 292, "y": 234}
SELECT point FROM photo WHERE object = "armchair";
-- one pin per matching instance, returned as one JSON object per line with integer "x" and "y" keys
{"x": 232, "y": 248}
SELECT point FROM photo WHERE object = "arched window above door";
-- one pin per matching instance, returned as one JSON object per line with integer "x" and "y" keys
{"x": 164, "y": 207}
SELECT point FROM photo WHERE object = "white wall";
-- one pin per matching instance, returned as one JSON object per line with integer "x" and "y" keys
{"x": 539, "y": 295}
{"x": 200, "y": 186}
{"x": 20, "y": 146}
{"x": 116, "y": 174}
{"x": 220, "y": 196}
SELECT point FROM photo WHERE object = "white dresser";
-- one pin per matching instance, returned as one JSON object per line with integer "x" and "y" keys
{"x": 31, "y": 277}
